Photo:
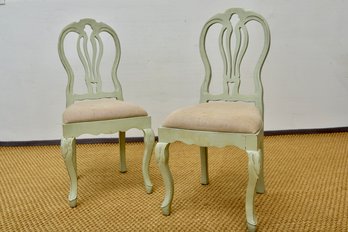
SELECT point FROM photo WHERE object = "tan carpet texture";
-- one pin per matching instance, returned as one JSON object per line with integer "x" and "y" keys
{"x": 306, "y": 188}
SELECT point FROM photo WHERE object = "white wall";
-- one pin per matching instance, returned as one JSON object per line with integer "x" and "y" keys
{"x": 305, "y": 76}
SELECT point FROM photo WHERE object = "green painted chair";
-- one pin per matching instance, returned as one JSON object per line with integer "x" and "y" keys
{"x": 95, "y": 109}
{"x": 226, "y": 118}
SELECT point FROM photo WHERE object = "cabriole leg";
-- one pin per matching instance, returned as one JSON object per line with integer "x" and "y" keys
{"x": 68, "y": 149}
{"x": 162, "y": 156}
{"x": 260, "y": 185}
{"x": 204, "y": 165}
{"x": 254, "y": 171}
{"x": 122, "y": 143}
{"x": 149, "y": 140}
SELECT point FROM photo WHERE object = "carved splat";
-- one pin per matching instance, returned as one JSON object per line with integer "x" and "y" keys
{"x": 233, "y": 43}
{"x": 90, "y": 50}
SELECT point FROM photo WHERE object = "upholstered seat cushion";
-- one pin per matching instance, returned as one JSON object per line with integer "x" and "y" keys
{"x": 101, "y": 109}
{"x": 235, "y": 117}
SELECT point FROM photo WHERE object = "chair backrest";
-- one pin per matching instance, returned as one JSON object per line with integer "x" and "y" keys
{"x": 90, "y": 50}
{"x": 232, "y": 56}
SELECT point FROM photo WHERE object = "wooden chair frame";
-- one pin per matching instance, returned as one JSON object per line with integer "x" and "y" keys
{"x": 93, "y": 80}
{"x": 251, "y": 143}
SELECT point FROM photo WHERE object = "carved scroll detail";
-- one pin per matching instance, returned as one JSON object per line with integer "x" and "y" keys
{"x": 254, "y": 171}
{"x": 69, "y": 154}
{"x": 162, "y": 157}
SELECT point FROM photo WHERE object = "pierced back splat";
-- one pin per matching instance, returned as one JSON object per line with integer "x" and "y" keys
{"x": 90, "y": 50}
{"x": 233, "y": 41}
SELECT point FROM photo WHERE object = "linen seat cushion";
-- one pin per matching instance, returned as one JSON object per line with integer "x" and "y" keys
{"x": 101, "y": 109}
{"x": 237, "y": 117}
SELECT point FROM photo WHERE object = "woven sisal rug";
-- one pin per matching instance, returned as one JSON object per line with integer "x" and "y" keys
{"x": 306, "y": 183}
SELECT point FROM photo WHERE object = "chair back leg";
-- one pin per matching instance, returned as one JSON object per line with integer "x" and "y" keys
{"x": 204, "y": 165}
{"x": 122, "y": 143}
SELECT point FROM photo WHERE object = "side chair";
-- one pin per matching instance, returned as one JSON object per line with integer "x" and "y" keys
{"x": 229, "y": 117}
{"x": 92, "y": 108}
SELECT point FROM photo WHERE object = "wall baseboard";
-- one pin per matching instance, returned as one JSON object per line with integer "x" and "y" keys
{"x": 78, "y": 141}
{"x": 141, "y": 139}
{"x": 307, "y": 131}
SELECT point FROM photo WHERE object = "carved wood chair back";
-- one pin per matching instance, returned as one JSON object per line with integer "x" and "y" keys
{"x": 90, "y": 50}
{"x": 233, "y": 42}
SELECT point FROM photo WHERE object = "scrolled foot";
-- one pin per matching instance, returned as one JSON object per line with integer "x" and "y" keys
{"x": 251, "y": 228}
{"x": 260, "y": 187}
{"x": 149, "y": 189}
{"x": 73, "y": 203}
{"x": 166, "y": 210}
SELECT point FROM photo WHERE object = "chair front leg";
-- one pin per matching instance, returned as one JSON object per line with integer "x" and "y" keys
{"x": 254, "y": 171}
{"x": 204, "y": 165}
{"x": 68, "y": 149}
{"x": 162, "y": 156}
{"x": 149, "y": 140}
{"x": 122, "y": 143}
{"x": 260, "y": 185}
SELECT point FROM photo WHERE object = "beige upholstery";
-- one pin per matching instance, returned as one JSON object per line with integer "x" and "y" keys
{"x": 238, "y": 117}
{"x": 101, "y": 109}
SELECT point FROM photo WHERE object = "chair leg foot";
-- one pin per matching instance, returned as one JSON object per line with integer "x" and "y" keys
{"x": 251, "y": 228}
{"x": 73, "y": 203}
{"x": 166, "y": 210}
{"x": 260, "y": 187}
{"x": 148, "y": 188}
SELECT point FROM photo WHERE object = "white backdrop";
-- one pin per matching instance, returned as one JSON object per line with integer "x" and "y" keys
{"x": 305, "y": 76}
